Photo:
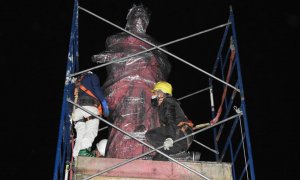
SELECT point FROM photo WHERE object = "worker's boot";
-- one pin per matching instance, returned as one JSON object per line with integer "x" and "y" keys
{"x": 86, "y": 152}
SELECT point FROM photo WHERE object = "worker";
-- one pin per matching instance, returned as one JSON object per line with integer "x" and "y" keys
{"x": 89, "y": 95}
{"x": 174, "y": 123}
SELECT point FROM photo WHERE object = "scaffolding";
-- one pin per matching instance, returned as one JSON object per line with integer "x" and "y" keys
{"x": 231, "y": 136}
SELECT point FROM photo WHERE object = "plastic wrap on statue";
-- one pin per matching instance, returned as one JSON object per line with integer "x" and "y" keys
{"x": 129, "y": 83}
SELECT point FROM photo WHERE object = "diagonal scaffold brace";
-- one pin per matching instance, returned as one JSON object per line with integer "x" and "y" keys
{"x": 149, "y": 146}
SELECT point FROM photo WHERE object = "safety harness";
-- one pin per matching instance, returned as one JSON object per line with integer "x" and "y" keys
{"x": 85, "y": 119}
{"x": 92, "y": 95}
{"x": 79, "y": 86}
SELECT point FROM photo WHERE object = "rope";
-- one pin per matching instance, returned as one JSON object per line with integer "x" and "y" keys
{"x": 232, "y": 55}
{"x": 237, "y": 110}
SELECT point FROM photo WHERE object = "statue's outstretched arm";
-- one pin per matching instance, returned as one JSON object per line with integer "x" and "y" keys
{"x": 104, "y": 57}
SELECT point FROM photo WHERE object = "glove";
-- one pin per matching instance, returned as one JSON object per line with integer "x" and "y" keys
{"x": 105, "y": 108}
{"x": 168, "y": 143}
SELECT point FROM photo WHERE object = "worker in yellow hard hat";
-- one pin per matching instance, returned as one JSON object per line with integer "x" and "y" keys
{"x": 174, "y": 124}
{"x": 161, "y": 90}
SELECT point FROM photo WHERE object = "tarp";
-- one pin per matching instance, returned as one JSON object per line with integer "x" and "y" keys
{"x": 129, "y": 83}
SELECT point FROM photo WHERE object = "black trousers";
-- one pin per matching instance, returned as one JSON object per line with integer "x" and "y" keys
{"x": 156, "y": 137}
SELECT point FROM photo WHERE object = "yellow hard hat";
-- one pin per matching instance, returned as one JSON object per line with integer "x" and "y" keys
{"x": 163, "y": 86}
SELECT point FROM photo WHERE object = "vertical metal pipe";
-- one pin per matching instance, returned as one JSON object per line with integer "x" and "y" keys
{"x": 212, "y": 104}
{"x": 61, "y": 151}
{"x": 243, "y": 104}
{"x": 211, "y": 90}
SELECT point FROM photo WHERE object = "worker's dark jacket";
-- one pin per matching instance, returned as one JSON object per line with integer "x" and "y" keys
{"x": 170, "y": 114}
{"x": 92, "y": 83}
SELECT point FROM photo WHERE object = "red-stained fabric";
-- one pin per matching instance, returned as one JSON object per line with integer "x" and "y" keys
{"x": 128, "y": 91}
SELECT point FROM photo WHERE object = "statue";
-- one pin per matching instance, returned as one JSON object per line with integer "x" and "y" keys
{"x": 128, "y": 84}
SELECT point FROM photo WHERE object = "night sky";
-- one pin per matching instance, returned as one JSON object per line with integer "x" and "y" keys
{"x": 34, "y": 45}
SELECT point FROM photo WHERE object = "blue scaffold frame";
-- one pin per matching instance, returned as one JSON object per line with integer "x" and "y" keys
{"x": 221, "y": 61}
{"x": 63, "y": 149}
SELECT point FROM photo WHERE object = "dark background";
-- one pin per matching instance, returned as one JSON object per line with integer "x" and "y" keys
{"x": 34, "y": 45}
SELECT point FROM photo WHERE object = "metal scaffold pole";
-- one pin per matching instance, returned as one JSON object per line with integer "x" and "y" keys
{"x": 63, "y": 143}
{"x": 243, "y": 103}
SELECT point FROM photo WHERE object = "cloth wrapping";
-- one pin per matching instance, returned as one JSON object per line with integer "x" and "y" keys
{"x": 128, "y": 85}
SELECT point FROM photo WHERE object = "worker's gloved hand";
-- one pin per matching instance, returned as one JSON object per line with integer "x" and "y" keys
{"x": 105, "y": 108}
{"x": 168, "y": 143}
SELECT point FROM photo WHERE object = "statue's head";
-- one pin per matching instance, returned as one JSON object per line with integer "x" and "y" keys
{"x": 137, "y": 19}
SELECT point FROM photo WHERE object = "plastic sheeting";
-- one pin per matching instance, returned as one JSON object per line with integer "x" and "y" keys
{"x": 129, "y": 83}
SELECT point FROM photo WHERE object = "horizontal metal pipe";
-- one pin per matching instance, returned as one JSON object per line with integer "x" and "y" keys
{"x": 194, "y": 93}
{"x": 216, "y": 152}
